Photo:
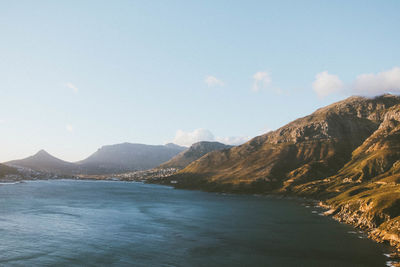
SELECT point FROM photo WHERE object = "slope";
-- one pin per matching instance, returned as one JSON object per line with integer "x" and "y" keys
{"x": 195, "y": 152}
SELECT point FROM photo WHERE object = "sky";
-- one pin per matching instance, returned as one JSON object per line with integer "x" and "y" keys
{"x": 77, "y": 75}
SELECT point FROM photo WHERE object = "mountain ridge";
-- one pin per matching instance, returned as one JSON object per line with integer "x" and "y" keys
{"x": 327, "y": 136}
{"x": 194, "y": 152}
{"x": 106, "y": 160}
{"x": 345, "y": 154}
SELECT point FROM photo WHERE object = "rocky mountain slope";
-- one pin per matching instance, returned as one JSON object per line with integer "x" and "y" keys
{"x": 346, "y": 154}
{"x": 309, "y": 148}
{"x": 367, "y": 189}
{"x": 195, "y": 152}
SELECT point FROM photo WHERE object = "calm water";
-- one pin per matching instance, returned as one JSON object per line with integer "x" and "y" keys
{"x": 75, "y": 223}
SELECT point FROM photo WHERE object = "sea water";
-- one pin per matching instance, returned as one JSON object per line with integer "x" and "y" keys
{"x": 104, "y": 223}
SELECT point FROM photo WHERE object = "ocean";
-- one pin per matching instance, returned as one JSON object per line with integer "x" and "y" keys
{"x": 111, "y": 223}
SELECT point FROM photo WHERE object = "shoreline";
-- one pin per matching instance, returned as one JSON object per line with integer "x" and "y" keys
{"x": 375, "y": 234}
{"x": 351, "y": 217}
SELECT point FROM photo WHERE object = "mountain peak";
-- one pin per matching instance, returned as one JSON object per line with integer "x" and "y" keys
{"x": 43, "y": 161}
{"x": 42, "y": 152}
{"x": 43, "y": 155}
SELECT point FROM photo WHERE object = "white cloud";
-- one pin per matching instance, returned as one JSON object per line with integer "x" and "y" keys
{"x": 184, "y": 138}
{"x": 233, "y": 140}
{"x": 72, "y": 87}
{"x": 376, "y": 84}
{"x": 326, "y": 84}
{"x": 213, "y": 81}
{"x": 69, "y": 128}
{"x": 369, "y": 84}
{"x": 2, "y": 121}
{"x": 261, "y": 80}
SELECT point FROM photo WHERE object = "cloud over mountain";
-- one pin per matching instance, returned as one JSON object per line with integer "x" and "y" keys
{"x": 187, "y": 138}
{"x": 379, "y": 83}
{"x": 367, "y": 84}
{"x": 326, "y": 84}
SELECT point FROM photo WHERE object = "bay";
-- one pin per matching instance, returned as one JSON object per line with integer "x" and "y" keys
{"x": 104, "y": 223}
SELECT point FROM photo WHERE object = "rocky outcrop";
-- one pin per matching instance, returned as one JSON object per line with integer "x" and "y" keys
{"x": 388, "y": 232}
{"x": 377, "y": 214}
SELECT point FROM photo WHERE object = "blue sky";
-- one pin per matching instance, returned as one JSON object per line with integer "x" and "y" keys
{"x": 76, "y": 75}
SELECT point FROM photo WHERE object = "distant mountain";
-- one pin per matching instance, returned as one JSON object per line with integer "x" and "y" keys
{"x": 195, "y": 152}
{"x": 106, "y": 160}
{"x": 44, "y": 162}
{"x": 127, "y": 157}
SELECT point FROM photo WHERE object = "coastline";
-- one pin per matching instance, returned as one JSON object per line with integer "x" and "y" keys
{"x": 339, "y": 214}
{"x": 360, "y": 220}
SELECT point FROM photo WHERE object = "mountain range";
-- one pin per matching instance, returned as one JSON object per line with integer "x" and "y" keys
{"x": 346, "y": 154}
{"x": 106, "y": 160}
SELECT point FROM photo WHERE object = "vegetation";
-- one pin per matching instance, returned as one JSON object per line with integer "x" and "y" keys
{"x": 6, "y": 170}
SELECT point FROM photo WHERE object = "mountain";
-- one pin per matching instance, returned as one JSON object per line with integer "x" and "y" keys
{"x": 127, "y": 157}
{"x": 106, "y": 160}
{"x": 346, "y": 154}
{"x": 44, "y": 162}
{"x": 309, "y": 148}
{"x": 195, "y": 152}
{"x": 367, "y": 189}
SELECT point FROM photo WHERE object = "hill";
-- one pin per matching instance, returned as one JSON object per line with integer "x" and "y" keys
{"x": 195, "y": 152}
{"x": 44, "y": 162}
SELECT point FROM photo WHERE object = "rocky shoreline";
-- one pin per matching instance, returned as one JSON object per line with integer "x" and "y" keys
{"x": 386, "y": 232}
{"x": 379, "y": 226}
